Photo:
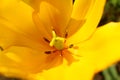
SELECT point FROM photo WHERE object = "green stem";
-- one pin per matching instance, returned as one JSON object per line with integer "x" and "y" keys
{"x": 106, "y": 75}
{"x": 111, "y": 73}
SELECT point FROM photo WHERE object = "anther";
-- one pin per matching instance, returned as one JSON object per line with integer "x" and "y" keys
{"x": 66, "y": 35}
{"x": 48, "y": 52}
{"x": 73, "y": 46}
{"x": 46, "y": 39}
{"x": 70, "y": 46}
{"x": 1, "y": 48}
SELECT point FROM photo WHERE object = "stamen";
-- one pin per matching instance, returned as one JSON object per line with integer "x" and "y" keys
{"x": 66, "y": 35}
{"x": 61, "y": 53}
{"x": 46, "y": 39}
{"x": 77, "y": 55}
{"x": 48, "y": 52}
{"x": 1, "y": 48}
{"x": 70, "y": 46}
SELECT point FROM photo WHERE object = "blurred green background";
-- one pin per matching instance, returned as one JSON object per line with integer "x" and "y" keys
{"x": 111, "y": 12}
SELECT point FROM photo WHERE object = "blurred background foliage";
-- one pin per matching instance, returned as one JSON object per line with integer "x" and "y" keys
{"x": 111, "y": 13}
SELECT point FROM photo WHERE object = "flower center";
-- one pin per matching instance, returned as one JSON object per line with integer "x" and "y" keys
{"x": 57, "y": 42}
{"x": 60, "y": 49}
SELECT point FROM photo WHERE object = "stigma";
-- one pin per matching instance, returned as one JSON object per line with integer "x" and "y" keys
{"x": 57, "y": 42}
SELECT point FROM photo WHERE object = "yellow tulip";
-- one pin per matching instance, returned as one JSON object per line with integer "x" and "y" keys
{"x": 56, "y": 39}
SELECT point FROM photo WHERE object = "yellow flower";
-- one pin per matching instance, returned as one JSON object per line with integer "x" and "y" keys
{"x": 56, "y": 40}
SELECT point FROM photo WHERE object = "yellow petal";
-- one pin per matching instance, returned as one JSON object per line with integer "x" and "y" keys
{"x": 72, "y": 27}
{"x": 9, "y": 37}
{"x": 22, "y": 62}
{"x": 81, "y": 8}
{"x": 18, "y": 14}
{"x": 103, "y": 48}
{"x": 54, "y": 14}
{"x": 91, "y": 12}
{"x": 21, "y": 59}
{"x": 75, "y": 71}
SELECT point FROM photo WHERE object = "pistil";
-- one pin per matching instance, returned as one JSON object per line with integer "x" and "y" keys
{"x": 57, "y": 42}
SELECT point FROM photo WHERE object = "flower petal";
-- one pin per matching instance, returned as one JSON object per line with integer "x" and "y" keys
{"x": 75, "y": 71}
{"x": 54, "y": 14}
{"x": 81, "y": 8}
{"x": 9, "y": 37}
{"x": 72, "y": 27}
{"x": 15, "y": 60}
{"x": 91, "y": 12}
{"x": 103, "y": 48}
{"x": 18, "y": 14}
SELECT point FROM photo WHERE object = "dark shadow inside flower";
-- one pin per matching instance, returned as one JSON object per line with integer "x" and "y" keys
{"x": 3, "y": 77}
